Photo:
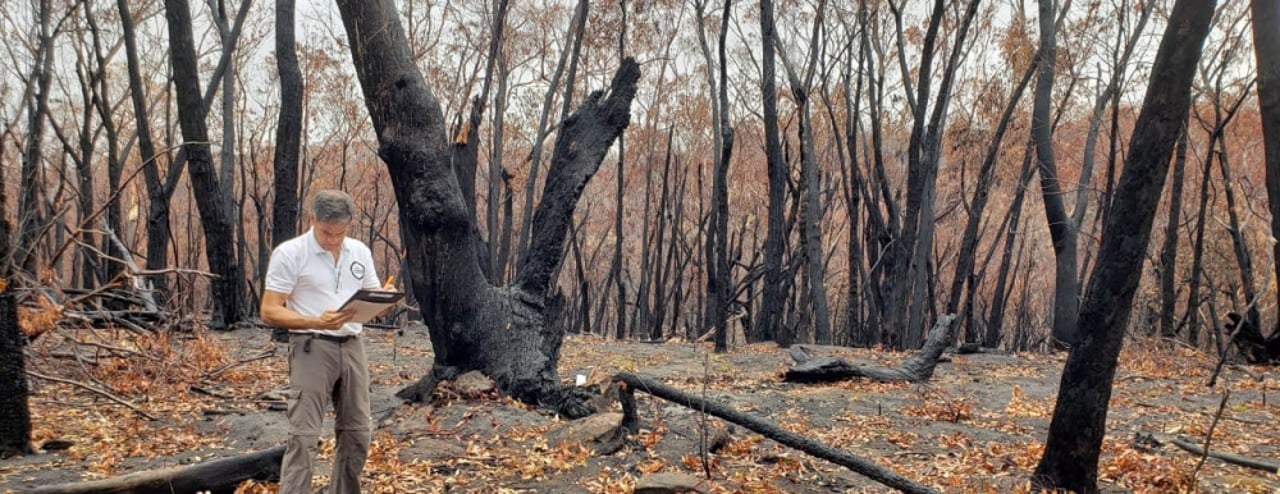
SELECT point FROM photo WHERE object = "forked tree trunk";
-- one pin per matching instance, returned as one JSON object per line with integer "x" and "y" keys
{"x": 29, "y": 217}
{"x": 501, "y": 331}
{"x": 1061, "y": 229}
{"x": 1079, "y": 422}
{"x": 158, "y": 191}
{"x": 965, "y": 261}
{"x": 211, "y": 200}
{"x": 814, "y": 288}
{"x": 115, "y": 166}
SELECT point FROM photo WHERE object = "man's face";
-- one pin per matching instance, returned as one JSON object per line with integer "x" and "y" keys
{"x": 331, "y": 233}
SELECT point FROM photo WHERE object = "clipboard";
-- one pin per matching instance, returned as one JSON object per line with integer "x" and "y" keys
{"x": 369, "y": 303}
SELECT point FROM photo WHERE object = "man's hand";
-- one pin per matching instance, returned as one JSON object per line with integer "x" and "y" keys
{"x": 389, "y": 286}
{"x": 334, "y": 319}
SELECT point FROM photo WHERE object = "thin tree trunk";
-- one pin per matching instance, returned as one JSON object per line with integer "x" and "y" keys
{"x": 1192, "y": 316}
{"x": 83, "y": 160}
{"x": 714, "y": 314}
{"x": 1169, "y": 251}
{"x": 811, "y": 228}
{"x": 966, "y": 258}
{"x": 158, "y": 209}
{"x": 852, "y": 189}
{"x": 616, "y": 270}
{"x": 640, "y": 315}
{"x": 577, "y": 25}
{"x": 115, "y": 166}
{"x": 652, "y": 322}
{"x": 1249, "y": 340}
{"x": 498, "y": 250}
{"x": 1000, "y": 296}
{"x": 284, "y": 204}
{"x": 30, "y": 221}
{"x": 720, "y": 194}
{"x": 769, "y": 319}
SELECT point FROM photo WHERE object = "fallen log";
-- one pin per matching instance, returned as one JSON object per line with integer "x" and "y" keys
{"x": 918, "y": 368}
{"x": 766, "y": 428}
{"x": 216, "y": 477}
{"x": 1243, "y": 461}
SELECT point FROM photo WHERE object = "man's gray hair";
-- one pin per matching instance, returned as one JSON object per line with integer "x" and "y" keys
{"x": 333, "y": 206}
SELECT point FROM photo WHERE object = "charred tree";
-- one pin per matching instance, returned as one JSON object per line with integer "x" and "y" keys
{"x": 15, "y": 416}
{"x": 910, "y": 303}
{"x": 159, "y": 191}
{"x": 502, "y": 331}
{"x": 1266, "y": 45}
{"x": 1192, "y": 316}
{"x": 1169, "y": 251}
{"x": 965, "y": 261}
{"x": 29, "y": 218}
{"x": 723, "y": 274}
{"x": 284, "y": 203}
{"x": 616, "y": 266}
{"x": 1070, "y": 458}
{"x": 1066, "y": 283}
{"x": 211, "y": 199}
{"x": 810, "y": 208}
{"x": 768, "y": 324}
{"x": 114, "y": 265}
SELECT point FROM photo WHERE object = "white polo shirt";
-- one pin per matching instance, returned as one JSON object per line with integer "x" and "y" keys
{"x": 307, "y": 272}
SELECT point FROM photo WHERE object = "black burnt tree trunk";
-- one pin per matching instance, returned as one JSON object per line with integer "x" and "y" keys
{"x": 215, "y": 210}
{"x": 501, "y": 331}
{"x": 284, "y": 205}
{"x": 1266, "y": 42}
{"x": 15, "y": 417}
{"x": 1070, "y": 458}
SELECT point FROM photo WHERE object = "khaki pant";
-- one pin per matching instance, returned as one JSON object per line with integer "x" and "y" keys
{"x": 321, "y": 371}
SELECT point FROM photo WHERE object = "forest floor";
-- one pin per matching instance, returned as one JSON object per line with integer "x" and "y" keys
{"x": 979, "y": 426}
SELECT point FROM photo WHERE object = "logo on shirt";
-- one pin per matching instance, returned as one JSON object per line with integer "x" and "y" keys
{"x": 357, "y": 270}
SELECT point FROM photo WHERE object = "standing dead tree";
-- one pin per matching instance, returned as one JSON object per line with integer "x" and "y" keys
{"x": 1071, "y": 452}
{"x": 501, "y": 331}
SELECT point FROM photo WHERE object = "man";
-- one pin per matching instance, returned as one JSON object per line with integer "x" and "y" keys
{"x": 308, "y": 278}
